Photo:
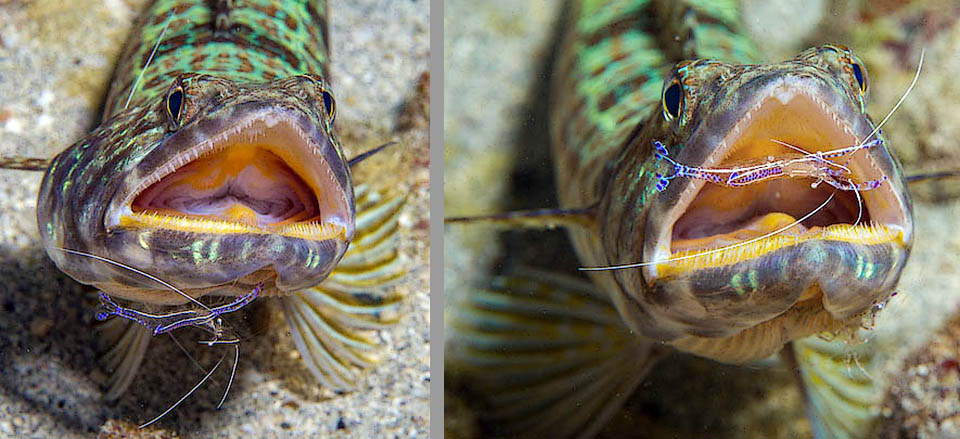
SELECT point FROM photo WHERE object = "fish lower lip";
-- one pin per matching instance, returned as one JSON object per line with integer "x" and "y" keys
{"x": 698, "y": 258}
{"x": 851, "y": 267}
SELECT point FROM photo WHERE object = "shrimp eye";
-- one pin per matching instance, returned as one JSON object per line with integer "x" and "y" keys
{"x": 330, "y": 105}
{"x": 672, "y": 100}
{"x": 175, "y": 104}
{"x": 861, "y": 78}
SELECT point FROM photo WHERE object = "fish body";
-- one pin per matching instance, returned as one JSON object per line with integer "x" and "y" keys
{"x": 219, "y": 80}
{"x": 217, "y": 169}
{"x": 756, "y": 267}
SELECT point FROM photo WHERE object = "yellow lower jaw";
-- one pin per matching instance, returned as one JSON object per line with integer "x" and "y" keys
{"x": 149, "y": 220}
{"x": 141, "y": 220}
{"x": 732, "y": 253}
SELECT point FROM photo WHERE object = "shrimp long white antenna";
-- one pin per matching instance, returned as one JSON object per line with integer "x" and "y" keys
{"x": 916, "y": 76}
{"x": 149, "y": 60}
{"x": 717, "y": 250}
{"x": 187, "y": 395}
{"x": 142, "y": 273}
{"x": 233, "y": 372}
{"x": 859, "y": 206}
{"x": 816, "y": 154}
{"x": 903, "y": 97}
{"x": 185, "y": 352}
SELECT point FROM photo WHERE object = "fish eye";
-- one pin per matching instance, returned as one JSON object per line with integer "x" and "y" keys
{"x": 859, "y": 74}
{"x": 174, "y": 104}
{"x": 330, "y": 105}
{"x": 672, "y": 100}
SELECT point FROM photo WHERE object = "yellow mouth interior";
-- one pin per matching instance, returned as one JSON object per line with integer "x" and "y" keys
{"x": 245, "y": 183}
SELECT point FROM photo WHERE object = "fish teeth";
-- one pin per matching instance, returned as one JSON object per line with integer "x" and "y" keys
{"x": 784, "y": 95}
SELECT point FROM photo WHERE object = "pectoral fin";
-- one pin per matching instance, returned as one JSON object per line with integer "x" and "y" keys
{"x": 126, "y": 343}
{"x": 25, "y": 163}
{"x": 839, "y": 380}
{"x": 533, "y": 219}
{"x": 547, "y": 355}
{"x": 334, "y": 323}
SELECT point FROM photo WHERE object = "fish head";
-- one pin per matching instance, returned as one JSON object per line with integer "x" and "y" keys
{"x": 215, "y": 186}
{"x": 724, "y": 257}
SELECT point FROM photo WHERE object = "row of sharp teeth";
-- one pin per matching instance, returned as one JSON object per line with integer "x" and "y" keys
{"x": 784, "y": 97}
{"x": 837, "y": 121}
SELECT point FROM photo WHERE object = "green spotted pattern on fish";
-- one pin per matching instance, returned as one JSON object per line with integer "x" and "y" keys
{"x": 626, "y": 74}
{"x": 217, "y": 168}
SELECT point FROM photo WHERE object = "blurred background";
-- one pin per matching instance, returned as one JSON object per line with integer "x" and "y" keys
{"x": 497, "y": 61}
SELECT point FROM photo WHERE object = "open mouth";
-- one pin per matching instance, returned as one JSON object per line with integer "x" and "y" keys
{"x": 717, "y": 225}
{"x": 264, "y": 175}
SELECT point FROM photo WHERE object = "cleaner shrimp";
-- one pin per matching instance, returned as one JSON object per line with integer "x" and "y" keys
{"x": 206, "y": 318}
